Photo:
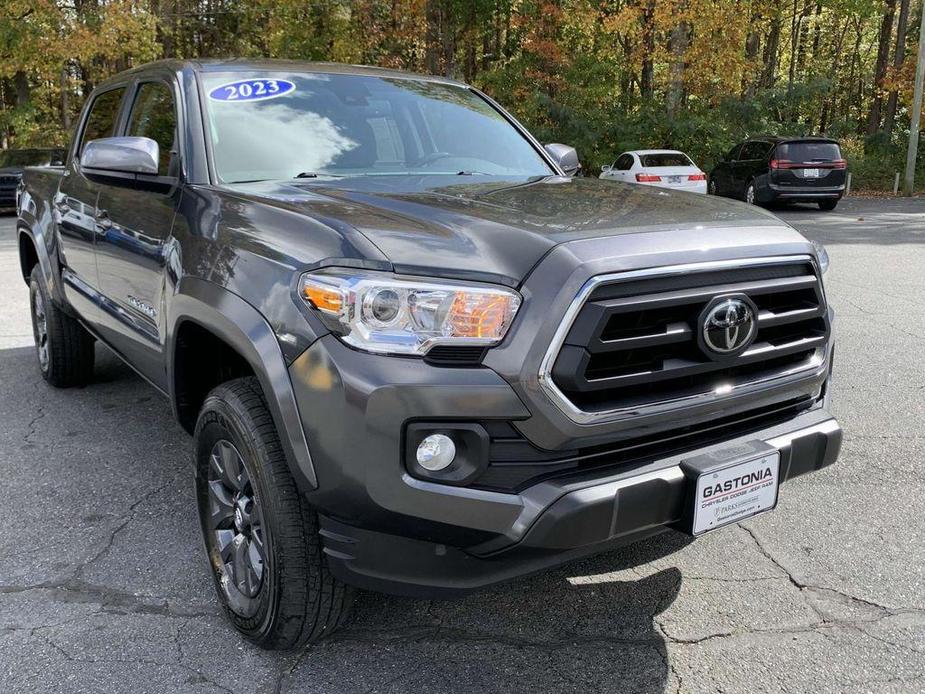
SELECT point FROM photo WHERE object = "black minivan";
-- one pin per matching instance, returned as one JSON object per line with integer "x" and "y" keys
{"x": 764, "y": 170}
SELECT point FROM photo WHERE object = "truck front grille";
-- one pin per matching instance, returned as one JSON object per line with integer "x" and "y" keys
{"x": 8, "y": 181}
{"x": 633, "y": 341}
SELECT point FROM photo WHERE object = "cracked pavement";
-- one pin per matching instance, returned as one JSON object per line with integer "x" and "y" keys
{"x": 103, "y": 583}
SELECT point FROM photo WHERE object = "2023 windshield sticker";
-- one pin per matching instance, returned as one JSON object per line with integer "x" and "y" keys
{"x": 251, "y": 90}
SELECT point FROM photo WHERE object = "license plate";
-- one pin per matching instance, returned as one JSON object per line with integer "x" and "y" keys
{"x": 736, "y": 492}
{"x": 810, "y": 173}
{"x": 674, "y": 179}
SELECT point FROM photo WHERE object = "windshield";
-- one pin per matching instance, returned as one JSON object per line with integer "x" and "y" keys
{"x": 665, "y": 159}
{"x": 30, "y": 157}
{"x": 808, "y": 151}
{"x": 266, "y": 125}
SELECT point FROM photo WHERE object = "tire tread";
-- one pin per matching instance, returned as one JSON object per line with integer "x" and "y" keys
{"x": 311, "y": 603}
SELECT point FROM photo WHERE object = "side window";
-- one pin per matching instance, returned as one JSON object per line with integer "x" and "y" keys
{"x": 101, "y": 122}
{"x": 153, "y": 116}
{"x": 733, "y": 154}
{"x": 625, "y": 162}
{"x": 754, "y": 150}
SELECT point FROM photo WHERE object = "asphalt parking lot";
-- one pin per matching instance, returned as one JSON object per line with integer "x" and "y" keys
{"x": 103, "y": 583}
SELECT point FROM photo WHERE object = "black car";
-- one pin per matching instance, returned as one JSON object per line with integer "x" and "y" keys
{"x": 765, "y": 170}
{"x": 12, "y": 163}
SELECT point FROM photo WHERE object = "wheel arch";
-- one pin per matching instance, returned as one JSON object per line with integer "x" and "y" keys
{"x": 34, "y": 251}
{"x": 28, "y": 255}
{"x": 236, "y": 325}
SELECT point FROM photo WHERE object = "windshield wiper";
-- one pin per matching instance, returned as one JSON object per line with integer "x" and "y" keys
{"x": 313, "y": 174}
{"x": 472, "y": 173}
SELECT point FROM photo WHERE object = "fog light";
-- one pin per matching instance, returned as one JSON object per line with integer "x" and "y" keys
{"x": 436, "y": 452}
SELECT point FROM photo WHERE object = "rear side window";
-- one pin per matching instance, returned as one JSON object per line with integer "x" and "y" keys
{"x": 809, "y": 151}
{"x": 153, "y": 116}
{"x": 666, "y": 159}
{"x": 625, "y": 162}
{"x": 101, "y": 122}
{"x": 754, "y": 150}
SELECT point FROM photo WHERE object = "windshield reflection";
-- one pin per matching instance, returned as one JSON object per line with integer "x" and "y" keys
{"x": 349, "y": 125}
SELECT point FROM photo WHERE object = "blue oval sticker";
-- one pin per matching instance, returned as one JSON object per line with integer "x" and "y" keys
{"x": 251, "y": 90}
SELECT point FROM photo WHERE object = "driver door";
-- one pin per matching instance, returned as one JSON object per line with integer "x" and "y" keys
{"x": 136, "y": 220}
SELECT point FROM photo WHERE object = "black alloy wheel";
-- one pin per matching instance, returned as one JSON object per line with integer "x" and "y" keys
{"x": 40, "y": 329}
{"x": 237, "y": 528}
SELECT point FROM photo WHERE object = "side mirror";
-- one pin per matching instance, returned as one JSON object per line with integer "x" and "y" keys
{"x": 132, "y": 155}
{"x": 606, "y": 167}
{"x": 566, "y": 157}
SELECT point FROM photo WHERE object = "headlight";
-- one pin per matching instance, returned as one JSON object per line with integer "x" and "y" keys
{"x": 823, "y": 256}
{"x": 379, "y": 313}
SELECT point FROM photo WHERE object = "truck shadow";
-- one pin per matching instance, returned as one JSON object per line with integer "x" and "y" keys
{"x": 590, "y": 625}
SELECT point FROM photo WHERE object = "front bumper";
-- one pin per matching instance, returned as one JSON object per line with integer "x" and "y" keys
{"x": 386, "y": 530}
{"x": 582, "y": 520}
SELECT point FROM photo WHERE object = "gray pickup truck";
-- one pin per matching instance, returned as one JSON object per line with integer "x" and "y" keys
{"x": 413, "y": 353}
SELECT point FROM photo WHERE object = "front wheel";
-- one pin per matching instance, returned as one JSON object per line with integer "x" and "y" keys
{"x": 827, "y": 205}
{"x": 260, "y": 534}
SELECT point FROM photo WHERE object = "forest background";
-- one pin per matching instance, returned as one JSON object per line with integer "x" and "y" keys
{"x": 602, "y": 75}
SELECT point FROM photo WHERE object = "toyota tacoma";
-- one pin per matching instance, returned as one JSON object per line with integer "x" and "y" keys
{"x": 414, "y": 354}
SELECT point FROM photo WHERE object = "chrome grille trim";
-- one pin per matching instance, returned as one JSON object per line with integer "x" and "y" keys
{"x": 815, "y": 366}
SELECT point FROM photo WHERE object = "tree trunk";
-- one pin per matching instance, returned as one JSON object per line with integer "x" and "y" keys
{"x": 448, "y": 31}
{"x": 647, "y": 78}
{"x": 899, "y": 56}
{"x": 769, "y": 76}
{"x": 21, "y": 87}
{"x": 677, "y": 45}
{"x": 794, "y": 28}
{"x": 432, "y": 37}
{"x": 883, "y": 56}
{"x": 65, "y": 101}
{"x": 802, "y": 38}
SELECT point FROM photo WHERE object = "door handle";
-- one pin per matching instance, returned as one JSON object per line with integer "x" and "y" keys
{"x": 103, "y": 222}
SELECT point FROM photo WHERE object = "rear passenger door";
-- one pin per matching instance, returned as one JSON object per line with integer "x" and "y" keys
{"x": 75, "y": 206}
{"x": 749, "y": 162}
{"x": 138, "y": 218}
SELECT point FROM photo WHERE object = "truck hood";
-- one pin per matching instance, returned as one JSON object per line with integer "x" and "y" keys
{"x": 498, "y": 229}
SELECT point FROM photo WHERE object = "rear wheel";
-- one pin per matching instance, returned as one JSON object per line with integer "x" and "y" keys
{"x": 750, "y": 193}
{"x": 260, "y": 534}
{"x": 711, "y": 187}
{"x": 63, "y": 346}
{"x": 827, "y": 205}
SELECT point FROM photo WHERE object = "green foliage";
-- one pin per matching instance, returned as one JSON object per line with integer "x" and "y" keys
{"x": 602, "y": 75}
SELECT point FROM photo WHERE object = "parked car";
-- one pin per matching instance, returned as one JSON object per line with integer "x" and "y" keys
{"x": 765, "y": 170}
{"x": 666, "y": 168}
{"x": 12, "y": 163}
{"x": 413, "y": 354}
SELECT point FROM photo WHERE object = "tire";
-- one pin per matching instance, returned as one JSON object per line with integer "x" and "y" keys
{"x": 63, "y": 346}
{"x": 264, "y": 549}
{"x": 827, "y": 205}
{"x": 751, "y": 194}
{"x": 711, "y": 187}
